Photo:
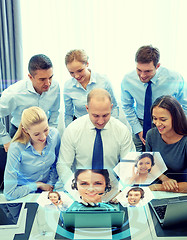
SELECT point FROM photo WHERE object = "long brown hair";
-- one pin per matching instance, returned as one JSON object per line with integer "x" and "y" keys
{"x": 179, "y": 120}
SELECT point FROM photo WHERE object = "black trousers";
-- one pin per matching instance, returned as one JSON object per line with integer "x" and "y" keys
{"x": 3, "y": 156}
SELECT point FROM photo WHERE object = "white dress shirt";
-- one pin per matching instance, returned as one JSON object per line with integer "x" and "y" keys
{"x": 78, "y": 141}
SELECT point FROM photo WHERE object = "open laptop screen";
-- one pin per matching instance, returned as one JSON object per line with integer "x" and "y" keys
{"x": 10, "y": 214}
{"x": 175, "y": 210}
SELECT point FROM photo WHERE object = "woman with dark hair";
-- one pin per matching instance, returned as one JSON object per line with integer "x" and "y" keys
{"x": 91, "y": 184}
{"x": 169, "y": 137}
{"x": 142, "y": 168}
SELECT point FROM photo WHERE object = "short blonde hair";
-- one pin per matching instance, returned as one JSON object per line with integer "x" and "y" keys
{"x": 30, "y": 116}
{"x": 76, "y": 54}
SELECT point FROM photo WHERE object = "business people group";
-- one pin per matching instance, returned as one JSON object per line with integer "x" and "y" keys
{"x": 89, "y": 102}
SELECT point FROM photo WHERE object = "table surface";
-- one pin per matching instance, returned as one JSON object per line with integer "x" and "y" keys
{"x": 46, "y": 224}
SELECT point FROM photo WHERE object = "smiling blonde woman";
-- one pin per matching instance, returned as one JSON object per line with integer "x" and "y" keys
{"x": 32, "y": 156}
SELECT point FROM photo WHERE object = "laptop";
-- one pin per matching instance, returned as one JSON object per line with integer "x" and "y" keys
{"x": 11, "y": 215}
{"x": 104, "y": 215}
{"x": 170, "y": 211}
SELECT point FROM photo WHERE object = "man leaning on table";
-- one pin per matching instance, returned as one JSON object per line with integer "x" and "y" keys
{"x": 39, "y": 90}
{"x": 141, "y": 87}
{"x": 78, "y": 144}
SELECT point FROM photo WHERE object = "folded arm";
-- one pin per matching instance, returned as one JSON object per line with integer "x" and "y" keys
{"x": 182, "y": 188}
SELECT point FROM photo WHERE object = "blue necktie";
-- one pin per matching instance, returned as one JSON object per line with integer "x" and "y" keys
{"x": 147, "y": 110}
{"x": 97, "y": 158}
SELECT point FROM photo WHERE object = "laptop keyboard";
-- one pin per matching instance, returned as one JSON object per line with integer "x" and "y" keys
{"x": 161, "y": 210}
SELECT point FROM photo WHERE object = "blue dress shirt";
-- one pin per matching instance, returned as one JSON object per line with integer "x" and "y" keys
{"x": 25, "y": 166}
{"x": 22, "y": 95}
{"x": 165, "y": 82}
{"x": 75, "y": 96}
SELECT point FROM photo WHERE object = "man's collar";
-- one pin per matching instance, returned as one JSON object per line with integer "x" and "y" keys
{"x": 155, "y": 78}
{"x": 91, "y": 125}
{"x": 30, "y": 86}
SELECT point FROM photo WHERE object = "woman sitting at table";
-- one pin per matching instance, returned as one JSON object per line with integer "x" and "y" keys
{"x": 170, "y": 139}
{"x": 91, "y": 184}
{"x": 82, "y": 82}
{"x": 31, "y": 159}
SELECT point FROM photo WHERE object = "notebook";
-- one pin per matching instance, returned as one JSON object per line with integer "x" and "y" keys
{"x": 104, "y": 215}
{"x": 170, "y": 211}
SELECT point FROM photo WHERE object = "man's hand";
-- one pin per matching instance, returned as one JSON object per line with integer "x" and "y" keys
{"x": 6, "y": 146}
{"x": 140, "y": 134}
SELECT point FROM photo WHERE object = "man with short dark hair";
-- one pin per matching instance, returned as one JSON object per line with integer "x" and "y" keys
{"x": 134, "y": 195}
{"x": 39, "y": 91}
{"x": 135, "y": 94}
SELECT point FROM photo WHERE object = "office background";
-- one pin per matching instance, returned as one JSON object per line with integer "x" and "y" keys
{"x": 110, "y": 31}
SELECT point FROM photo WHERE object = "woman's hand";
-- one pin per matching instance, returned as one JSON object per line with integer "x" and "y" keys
{"x": 140, "y": 134}
{"x": 44, "y": 186}
{"x": 170, "y": 184}
{"x": 182, "y": 187}
{"x": 135, "y": 175}
{"x": 60, "y": 202}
